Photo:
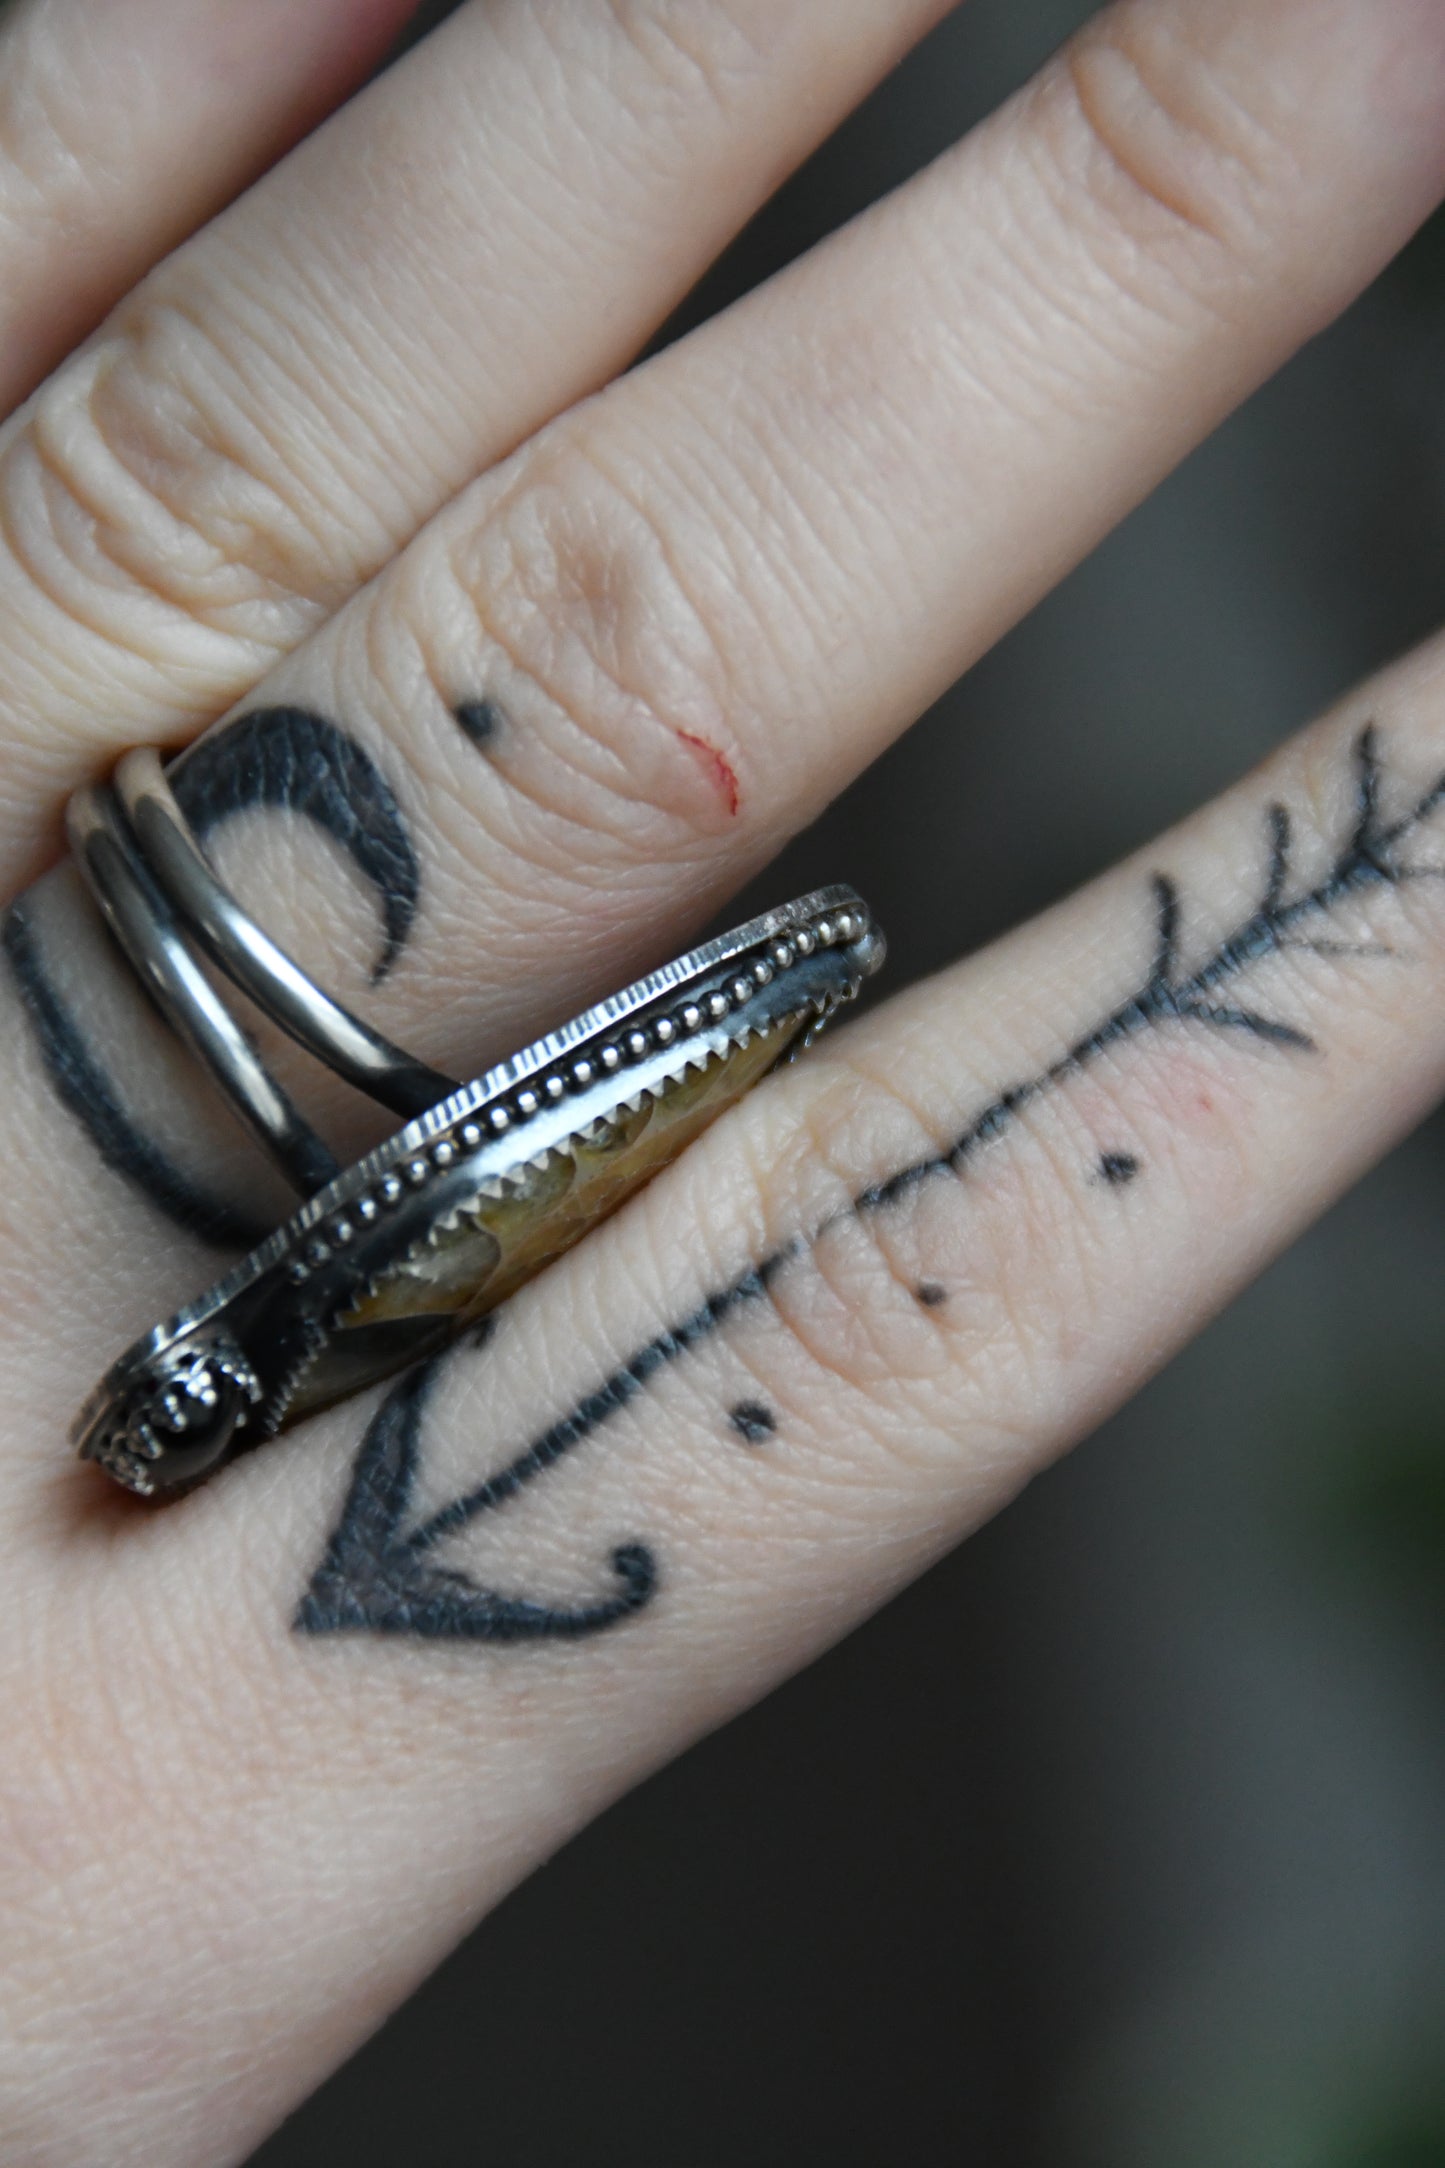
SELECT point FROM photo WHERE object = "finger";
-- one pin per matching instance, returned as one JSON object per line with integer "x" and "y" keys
{"x": 492, "y": 229}
{"x": 124, "y": 126}
{"x": 850, "y": 1324}
{"x": 608, "y": 680}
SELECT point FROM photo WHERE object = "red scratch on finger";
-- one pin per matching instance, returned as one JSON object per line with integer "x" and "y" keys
{"x": 720, "y": 770}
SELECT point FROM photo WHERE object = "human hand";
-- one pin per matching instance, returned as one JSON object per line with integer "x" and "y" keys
{"x": 803, "y": 521}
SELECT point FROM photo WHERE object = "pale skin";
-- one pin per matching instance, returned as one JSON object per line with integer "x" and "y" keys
{"x": 337, "y": 455}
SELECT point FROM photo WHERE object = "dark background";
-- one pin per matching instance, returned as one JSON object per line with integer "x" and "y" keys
{"x": 1118, "y": 1841}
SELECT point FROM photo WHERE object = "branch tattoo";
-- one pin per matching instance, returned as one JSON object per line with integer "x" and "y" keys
{"x": 385, "y": 1567}
{"x": 381, "y": 1574}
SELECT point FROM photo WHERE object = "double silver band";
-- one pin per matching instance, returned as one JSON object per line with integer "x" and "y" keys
{"x": 159, "y": 896}
{"x": 484, "y": 1183}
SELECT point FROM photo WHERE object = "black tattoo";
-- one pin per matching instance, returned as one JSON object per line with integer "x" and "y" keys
{"x": 84, "y": 1089}
{"x": 379, "y": 1577}
{"x": 753, "y": 1421}
{"x": 480, "y": 719}
{"x": 930, "y": 1294}
{"x": 281, "y": 758}
{"x": 292, "y": 761}
{"x": 366, "y": 1578}
{"x": 1118, "y": 1169}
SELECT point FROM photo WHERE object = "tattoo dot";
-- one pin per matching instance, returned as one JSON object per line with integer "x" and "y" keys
{"x": 930, "y": 1294}
{"x": 1118, "y": 1169}
{"x": 752, "y": 1421}
{"x": 480, "y": 719}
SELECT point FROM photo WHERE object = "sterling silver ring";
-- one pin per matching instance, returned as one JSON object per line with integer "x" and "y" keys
{"x": 484, "y": 1184}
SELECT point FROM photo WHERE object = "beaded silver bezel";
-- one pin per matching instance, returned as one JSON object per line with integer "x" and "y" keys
{"x": 284, "y": 1300}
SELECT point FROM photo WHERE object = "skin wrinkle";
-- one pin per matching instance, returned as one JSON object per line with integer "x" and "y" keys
{"x": 185, "y": 437}
{"x": 25, "y": 468}
{"x": 321, "y": 445}
{"x": 1061, "y": 331}
{"x": 675, "y": 562}
{"x": 463, "y": 819}
{"x": 595, "y": 573}
{"x": 1105, "y": 74}
{"x": 196, "y": 577}
{"x": 682, "y": 63}
{"x": 861, "y": 1343}
{"x": 584, "y": 846}
{"x": 37, "y": 134}
{"x": 743, "y": 516}
{"x": 1371, "y": 854}
{"x": 308, "y": 459}
{"x": 1140, "y": 279}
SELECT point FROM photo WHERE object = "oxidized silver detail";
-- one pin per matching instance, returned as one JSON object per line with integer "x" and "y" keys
{"x": 185, "y": 1410}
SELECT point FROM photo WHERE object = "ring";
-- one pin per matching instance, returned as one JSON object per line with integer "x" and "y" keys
{"x": 487, "y": 1182}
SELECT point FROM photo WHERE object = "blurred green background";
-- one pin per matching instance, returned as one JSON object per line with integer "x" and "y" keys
{"x": 1118, "y": 1842}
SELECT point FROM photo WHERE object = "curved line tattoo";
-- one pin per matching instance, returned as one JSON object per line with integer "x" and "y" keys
{"x": 286, "y": 759}
{"x": 369, "y": 1570}
{"x": 84, "y": 1089}
{"x": 375, "y": 1578}
{"x": 295, "y": 762}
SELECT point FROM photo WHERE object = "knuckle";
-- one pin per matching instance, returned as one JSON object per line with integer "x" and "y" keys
{"x": 1156, "y": 129}
{"x": 912, "y": 1328}
{"x": 564, "y": 606}
{"x": 691, "y": 46}
{"x": 47, "y": 126}
{"x": 134, "y": 499}
{"x": 40, "y": 131}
